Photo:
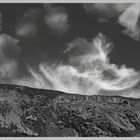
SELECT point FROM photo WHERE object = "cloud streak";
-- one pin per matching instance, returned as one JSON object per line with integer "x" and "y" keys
{"x": 93, "y": 73}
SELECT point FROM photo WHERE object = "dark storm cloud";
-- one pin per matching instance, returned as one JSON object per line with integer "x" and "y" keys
{"x": 125, "y": 14}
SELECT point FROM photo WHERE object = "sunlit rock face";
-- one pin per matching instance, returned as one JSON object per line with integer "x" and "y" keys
{"x": 35, "y": 112}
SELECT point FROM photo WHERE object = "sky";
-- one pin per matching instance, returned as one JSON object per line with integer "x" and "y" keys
{"x": 76, "y": 48}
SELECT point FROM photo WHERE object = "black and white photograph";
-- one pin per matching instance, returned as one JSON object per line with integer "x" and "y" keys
{"x": 70, "y": 69}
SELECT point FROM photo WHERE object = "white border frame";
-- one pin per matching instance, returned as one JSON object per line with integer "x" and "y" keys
{"x": 69, "y": 1}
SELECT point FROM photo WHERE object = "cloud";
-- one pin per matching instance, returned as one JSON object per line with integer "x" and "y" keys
{"x": 57, "y": 19}
{"x": 82, "y": 48}
{"x": 8, "y": 70}
{"x": 8, "y": 46}
{"x": 130, "y": 20}
{"x": 51, "y": 18}
{"x": 9, "y": 52}
{"x": 93, "y": 73}
{"x": 26, "y": 30}
{"x": 27, "y": 25}
{"x": 96, "y": 62}
{"x": 125, "y": 14}
{"x": 106, "y": 10}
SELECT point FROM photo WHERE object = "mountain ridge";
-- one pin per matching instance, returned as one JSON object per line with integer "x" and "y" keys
{"x": 26, "y": 111}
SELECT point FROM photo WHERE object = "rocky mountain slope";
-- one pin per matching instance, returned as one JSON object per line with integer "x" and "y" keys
{"x": 26, "y": 111}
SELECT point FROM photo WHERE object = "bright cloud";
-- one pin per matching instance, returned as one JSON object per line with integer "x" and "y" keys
{"x": 93, "y": 74}
{"x": 130, "y": 20}
{"x": 125, "y": 14}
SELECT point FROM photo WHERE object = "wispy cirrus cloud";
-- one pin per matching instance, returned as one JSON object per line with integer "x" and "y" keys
{"x": 88, "y": 71}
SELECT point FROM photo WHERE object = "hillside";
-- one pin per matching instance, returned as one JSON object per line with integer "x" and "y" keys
{"x": 26, "y": 111}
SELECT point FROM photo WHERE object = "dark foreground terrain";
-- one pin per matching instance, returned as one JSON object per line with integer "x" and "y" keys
{"x": 34, "y": 112}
